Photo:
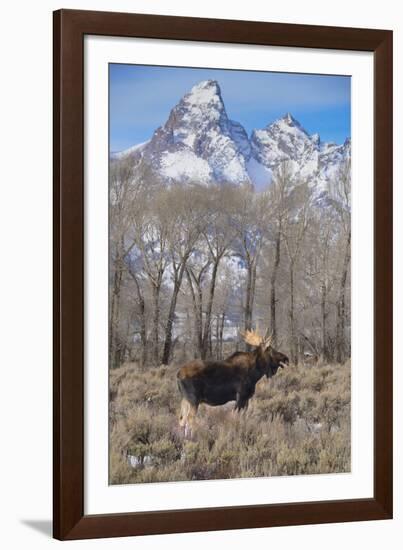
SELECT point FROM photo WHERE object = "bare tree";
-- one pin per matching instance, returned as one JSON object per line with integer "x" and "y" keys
{"x": 188, "y": 261}
{"x": 278, "y": 197}
{"x": 125, "y": 188}
{"x": 250, "y": 222}
{"x": 150, "y": 232}
{"x": 294, "y": 231}
{"x": 187, "y": 223}
{"x": 218, "y": 235}
{"x": 196, "y": 273}
{"x": 340, "y": 192}
{"x": 136, "y": 276}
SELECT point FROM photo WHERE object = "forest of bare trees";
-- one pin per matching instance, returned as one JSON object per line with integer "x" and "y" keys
{"x": 192, "y": 265}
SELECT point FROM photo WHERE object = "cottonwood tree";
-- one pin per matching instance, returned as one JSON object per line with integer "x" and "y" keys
{"x": 197, "y": 273}
{"x": 250, "y": 223}
{"x": 218, "y": 236}
{"x": 278, "y": 195}
{"x": 294, "y": 230}
{"x": 151, "y": 229}
{"x": 192, "y": 263}
{"x": 319, "y": 275}
{"x": 187, "y": 224}
{"x": 340, "y": 193}
{"x": 133, "y": 267}
{"x": 125, "y": 192}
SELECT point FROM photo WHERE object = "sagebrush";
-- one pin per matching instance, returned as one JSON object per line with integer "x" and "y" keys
{"x": 297, "y": 423}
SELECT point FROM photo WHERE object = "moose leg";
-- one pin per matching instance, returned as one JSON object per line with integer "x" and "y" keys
{"x": 187, "y": 416}
{"x": 241, "y": 403}
{"x": 184, "y": 412}
{"x": 191, "y": 420}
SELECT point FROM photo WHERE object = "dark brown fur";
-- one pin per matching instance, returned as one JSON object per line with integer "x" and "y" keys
{"x": 234, "y": 379}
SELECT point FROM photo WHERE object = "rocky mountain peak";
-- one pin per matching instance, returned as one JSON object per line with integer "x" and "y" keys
{"x": 287, "y": 123}
{"x": 200, "y": 143}
{"x": 290, "y": 120}
{"x": 204, "y": 92}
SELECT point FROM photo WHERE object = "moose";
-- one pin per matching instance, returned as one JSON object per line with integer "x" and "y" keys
{"x": 233, "y": 379}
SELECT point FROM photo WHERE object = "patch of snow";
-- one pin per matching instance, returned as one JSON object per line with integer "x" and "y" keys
{"x": 139, "y": 462}
{"x": 207, "y": 91}
{"x": 185, "y": 166}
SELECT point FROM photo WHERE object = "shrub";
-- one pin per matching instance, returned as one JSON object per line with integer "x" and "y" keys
{"x": 297, "y": 423}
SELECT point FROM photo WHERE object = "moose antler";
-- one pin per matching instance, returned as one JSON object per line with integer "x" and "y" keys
{"x": 268, "y": 333}
{"x": 268, "y": 338}
{"x": 252, "y": 338}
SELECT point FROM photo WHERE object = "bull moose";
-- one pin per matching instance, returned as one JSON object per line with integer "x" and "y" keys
{"x": 234, "y": 379}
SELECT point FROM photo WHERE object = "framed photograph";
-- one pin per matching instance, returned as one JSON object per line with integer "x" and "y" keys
{"x": 222, "y": 274}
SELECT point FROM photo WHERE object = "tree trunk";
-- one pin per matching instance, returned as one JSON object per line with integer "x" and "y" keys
{"x": 126, "y": 350}
{"x": 217, "y": 336}
{"x": 248, "y": 298}
{"x": 207, "y": 323}
{"x": 199, "y": 319}
{"x": 197, "y": 310}
{"x": 172, "y": 308}
{"x": 293, "y": 350}
{"x": 143, "y": 332}
{"x": 142, "y": 310}
{"x": 155, "y": 326}
{"x": 221, "y": 335}
{"x": 168, "y": 332}
{"x": 341, "y": 305}
{"x": 253, "y": 290}
{"x": 273, "y": 280}
{"x": 114, "y": 360}
{"x": 324, "y": 320}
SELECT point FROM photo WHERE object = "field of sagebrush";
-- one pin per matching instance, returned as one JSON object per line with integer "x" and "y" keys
{"x": 297, "y": 423}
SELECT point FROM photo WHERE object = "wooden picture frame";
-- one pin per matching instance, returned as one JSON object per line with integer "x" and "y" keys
{"x": 70, "y": 27}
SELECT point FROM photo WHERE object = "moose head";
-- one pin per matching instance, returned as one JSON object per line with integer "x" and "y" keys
{"x": 268, "y": 360}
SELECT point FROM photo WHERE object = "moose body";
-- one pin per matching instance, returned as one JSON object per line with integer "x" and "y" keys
{"x": 234, "y": 379}
{"x": 217, "y": 382}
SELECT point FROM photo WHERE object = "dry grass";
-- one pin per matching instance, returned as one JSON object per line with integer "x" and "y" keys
{"x": 297, "y": 423}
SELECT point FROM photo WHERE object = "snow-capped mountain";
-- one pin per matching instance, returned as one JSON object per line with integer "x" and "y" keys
{"x": 200, "y": 143}
{"x": 286, "y": 140}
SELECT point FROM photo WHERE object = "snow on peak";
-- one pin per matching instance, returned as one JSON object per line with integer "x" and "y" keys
{"x": 283, "y": 139}
{"x": 315, "y": 138}
{"x": 287, "y": 123}
{"x": 199, "y": 143}
{"x": 204, "y": 92}
{"x": 207, "y": 85}
{"x": 289, "y": 119}
{"x": 200, "y": 137}
{"x": 205, "y": 97}
{"x": 203, "y": 104}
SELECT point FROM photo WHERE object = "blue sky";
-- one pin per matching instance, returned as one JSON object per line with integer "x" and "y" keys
{"x": 141, "y": 98}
